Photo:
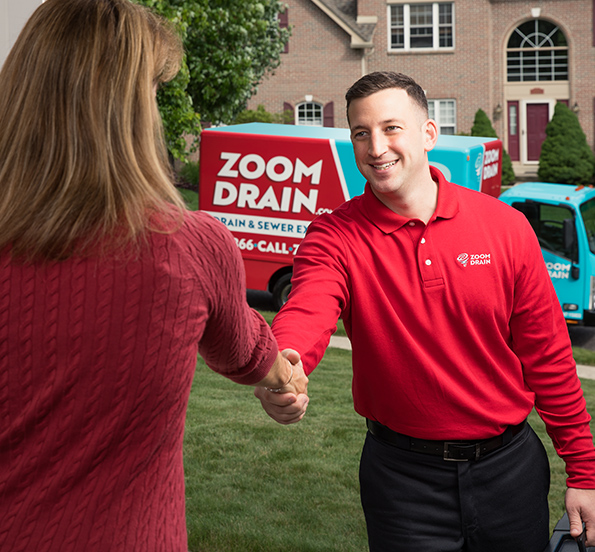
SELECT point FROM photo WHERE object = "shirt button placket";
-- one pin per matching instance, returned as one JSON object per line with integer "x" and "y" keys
{"x": 425, "y": 261}
{"x": 428, "y": 262}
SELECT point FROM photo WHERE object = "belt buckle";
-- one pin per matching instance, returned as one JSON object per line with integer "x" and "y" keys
{"x": 446, "y": 454}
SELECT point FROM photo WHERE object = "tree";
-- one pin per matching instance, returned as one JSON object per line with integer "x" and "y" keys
{"x": 179, "y": 117}
{"x": 565, "y": 155}
{"x": 482, "y": 126}
{"x": 229, "y": 46}
{"x": 175, "y": 103}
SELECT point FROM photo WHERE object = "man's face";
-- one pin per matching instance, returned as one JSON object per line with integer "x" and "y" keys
{"x": 391, "y": 137}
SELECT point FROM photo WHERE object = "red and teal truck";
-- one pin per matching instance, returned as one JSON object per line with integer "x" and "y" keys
{"x": 267, "y": 182}
{"x": 563, "y": 217}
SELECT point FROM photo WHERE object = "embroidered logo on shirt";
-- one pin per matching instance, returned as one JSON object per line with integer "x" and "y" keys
{"x": 474, "y": 259}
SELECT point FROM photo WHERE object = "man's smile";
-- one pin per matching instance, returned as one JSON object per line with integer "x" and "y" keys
{"x": 384, "y": 166}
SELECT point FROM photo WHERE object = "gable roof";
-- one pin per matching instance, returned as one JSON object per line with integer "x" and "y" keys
{"x": 344, "y": 13}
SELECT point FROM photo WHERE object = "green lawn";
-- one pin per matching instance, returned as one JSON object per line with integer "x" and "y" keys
{"x": 254, "y": 485}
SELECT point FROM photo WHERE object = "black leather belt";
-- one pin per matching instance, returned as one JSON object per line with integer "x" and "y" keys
{"x": 456, "y": 451}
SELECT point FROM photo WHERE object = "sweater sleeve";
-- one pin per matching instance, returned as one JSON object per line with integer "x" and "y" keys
{"x": 541, "y": 341}
{"x": 237, "y": 342}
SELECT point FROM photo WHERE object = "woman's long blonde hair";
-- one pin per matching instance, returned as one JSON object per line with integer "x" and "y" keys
{"x": 82, "y": 154}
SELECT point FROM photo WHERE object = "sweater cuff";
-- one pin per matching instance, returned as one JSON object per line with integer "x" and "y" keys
{"x": 263, "y": 356}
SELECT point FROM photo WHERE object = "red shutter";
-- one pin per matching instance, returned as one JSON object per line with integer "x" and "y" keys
{"x": 328, "y": 115}
{"x": 288, "y": 107}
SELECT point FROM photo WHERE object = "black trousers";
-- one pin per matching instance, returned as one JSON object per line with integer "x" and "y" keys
{"x": 416, "y": 502}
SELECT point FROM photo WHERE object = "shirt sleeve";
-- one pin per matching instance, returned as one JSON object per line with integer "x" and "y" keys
{"x": 542, "y": 343}
{"x": 319, "y": 295}
{"x": 237, "y": 342}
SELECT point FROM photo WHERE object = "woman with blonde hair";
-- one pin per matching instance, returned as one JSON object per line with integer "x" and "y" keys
{"x": 108, "y": 289}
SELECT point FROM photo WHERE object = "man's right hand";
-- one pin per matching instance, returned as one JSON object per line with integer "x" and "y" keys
{"x": 288, "y": 406}
{"x": 299, "y": 381}
{"x": 284, "y": 408}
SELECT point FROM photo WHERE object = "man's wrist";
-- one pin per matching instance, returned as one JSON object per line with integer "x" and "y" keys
{"x": 279, "y": 389}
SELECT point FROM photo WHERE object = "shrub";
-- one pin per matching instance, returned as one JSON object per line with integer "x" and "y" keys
{"x": 187, "y": 175}
{"x": 261, "y": 115}
{"x": 482, "y": 126}
{"x": 565, "y": 155}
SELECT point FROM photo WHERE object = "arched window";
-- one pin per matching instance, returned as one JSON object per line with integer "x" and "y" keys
{"x": 309, "y": 114}
{"x": 537, "y": 51}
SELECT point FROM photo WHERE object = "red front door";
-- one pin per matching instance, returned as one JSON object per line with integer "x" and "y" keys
{"x": 537, "y": 119}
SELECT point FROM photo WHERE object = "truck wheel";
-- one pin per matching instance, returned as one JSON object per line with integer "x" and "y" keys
{"x": 281, "y": 291}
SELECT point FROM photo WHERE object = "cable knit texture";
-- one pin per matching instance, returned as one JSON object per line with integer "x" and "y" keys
{"x": 97, "y": 357}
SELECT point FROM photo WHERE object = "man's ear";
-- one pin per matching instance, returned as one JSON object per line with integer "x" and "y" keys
{"x": 430, "y": 131}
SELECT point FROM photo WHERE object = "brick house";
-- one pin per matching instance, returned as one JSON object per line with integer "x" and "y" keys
{"x": 512, "y": 58}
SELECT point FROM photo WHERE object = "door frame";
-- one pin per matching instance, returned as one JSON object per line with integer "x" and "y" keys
{"x": 523, "y": 124}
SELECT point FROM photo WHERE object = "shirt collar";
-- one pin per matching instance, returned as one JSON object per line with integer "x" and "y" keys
{"x": 388, "y": 221}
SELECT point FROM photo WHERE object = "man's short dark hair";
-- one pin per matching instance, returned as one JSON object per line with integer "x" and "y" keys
{"x": 383, "y": 80}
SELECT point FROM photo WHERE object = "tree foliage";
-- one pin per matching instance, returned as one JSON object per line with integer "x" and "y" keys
{"x": 175, "y": 103}
{"x": 482, "y": 126}
{"x": 261, "y": 115}
{"x": 565, "y": 154}
{"x": 230, "y": 46}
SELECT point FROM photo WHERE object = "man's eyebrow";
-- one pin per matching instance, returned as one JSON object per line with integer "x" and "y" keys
{"x": 386, "y": 122}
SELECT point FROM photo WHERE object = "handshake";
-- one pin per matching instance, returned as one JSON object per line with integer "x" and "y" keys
{"x": 286, "y": 404}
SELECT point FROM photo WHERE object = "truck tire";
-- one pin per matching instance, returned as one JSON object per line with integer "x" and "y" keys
{"x": 281, "y": 290}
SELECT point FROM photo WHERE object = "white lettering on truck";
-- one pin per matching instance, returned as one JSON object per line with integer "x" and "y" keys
{"x": 248, "y": 196}
{"x": 558, "y": 270}
{"x": 248, "y": 172}
{"x": 226, "y": 170}
{"x": 277, "y": 169}
{"x": 490, "y": 163}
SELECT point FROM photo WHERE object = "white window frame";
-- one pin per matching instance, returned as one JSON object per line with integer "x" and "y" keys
{"x": 309, "y": 121}
{"x": 538, "y": 46}
{"x": 434, "y": 106}
{"x": 407, "y": 27}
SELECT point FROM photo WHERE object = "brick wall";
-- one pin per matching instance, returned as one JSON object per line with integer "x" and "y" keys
{"x": 321, "y": 62}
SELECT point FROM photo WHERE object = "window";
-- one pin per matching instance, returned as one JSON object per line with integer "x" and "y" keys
{"x": 537, "y": 51}
{"x": 309, "y": 114}
{"x": 421, "y": 26}
{"x": 445, "y": 114}
{"x": 554, "y": 226}
{"x": 588, "y": 213}
{"x": 513, "y": 120}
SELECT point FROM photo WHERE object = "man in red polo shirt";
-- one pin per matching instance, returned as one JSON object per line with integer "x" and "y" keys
{"x": 456, "y": 334}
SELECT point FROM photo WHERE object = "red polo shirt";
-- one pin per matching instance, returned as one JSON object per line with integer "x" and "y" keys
{"x": 455, "y": 327}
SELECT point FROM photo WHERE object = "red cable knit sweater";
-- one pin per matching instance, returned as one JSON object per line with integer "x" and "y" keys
{"x": 96, "y": 362}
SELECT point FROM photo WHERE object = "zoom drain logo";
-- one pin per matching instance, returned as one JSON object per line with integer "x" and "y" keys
{"x": 474, "y": 259}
